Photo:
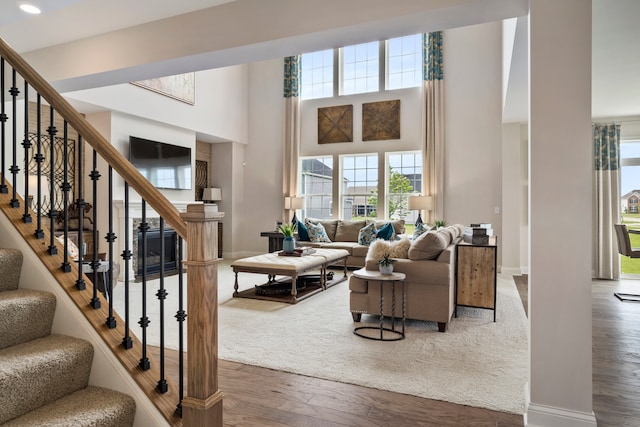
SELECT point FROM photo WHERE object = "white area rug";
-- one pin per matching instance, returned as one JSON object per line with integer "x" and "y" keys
{"x": 476, "y": 362}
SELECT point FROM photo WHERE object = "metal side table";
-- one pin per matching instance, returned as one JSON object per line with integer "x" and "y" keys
{"x": 386, "y": 334}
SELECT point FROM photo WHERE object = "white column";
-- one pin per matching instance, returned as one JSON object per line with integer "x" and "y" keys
{"x": 560, "y": 214}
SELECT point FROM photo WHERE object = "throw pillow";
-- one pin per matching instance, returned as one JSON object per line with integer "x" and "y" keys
{"x": 303, "y": 233}
{"x": 395, "y": 249}
{"x": 386, "y": 232}
{"x": 317, "y": 233}
{"x": 420, "y": 229}
{"x": 72, "y": 249}
{"x": 367, "y": 234}
{"x": 428, "y": 245}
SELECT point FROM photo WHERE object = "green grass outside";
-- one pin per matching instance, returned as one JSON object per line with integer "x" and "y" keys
{"x": 631, "y": 265}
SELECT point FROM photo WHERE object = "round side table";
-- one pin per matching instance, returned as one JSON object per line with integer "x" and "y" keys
{"x": 386, "y": 333}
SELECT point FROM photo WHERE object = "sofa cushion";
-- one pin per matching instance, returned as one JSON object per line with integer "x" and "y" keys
{"x": 367, "y": 234}
{"x": 360, "y": 251}
{"x": 395, "y": 249}
{"x": 347, "y": 231}
{"x": 429, "y": 245}
{"x": 317, "y": 233}
{"x": 303, "y": 232}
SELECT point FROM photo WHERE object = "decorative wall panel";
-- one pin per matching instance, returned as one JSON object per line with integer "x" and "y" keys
{"x": 381, "y": 120}
{"x": 335, "y": 124}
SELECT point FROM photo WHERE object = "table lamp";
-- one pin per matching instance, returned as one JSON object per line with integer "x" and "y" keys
{"x": 293, "y": 203}
{"x": 420, "y": 203}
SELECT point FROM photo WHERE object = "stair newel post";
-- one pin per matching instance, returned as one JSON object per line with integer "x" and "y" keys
{"x": 14, "y": 169}
{"x": 26, "y": 144}
{"x": 95, "y": 176}
{"x": 180, "y": 316}
{"x": 127, "y": 343}
{"x": 80, "y": 283}
{"x": 51, "y": 130}
{"x": 66, "y": 266}
{"x": 39, "y": 158}
{"x": 3, "y": 121}
{"x": 110, "y": 238}
{"x": 144, "y": 320}
{"x": 203, "y": 404}
{"x": 162, "y": 386}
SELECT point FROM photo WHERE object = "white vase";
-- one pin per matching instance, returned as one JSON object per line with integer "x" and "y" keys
{"x": 386, "y": 269}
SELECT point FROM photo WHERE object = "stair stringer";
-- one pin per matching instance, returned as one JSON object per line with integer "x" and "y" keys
{"x": 106, "y": 369}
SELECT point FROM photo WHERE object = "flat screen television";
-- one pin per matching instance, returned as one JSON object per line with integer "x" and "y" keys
{"x": 165, "y": 165}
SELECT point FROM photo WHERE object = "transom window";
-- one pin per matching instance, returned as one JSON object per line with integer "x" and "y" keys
{"x": 360, "y": 68}
{"x": 404, "y": 62}
{"x": 317, "y": 74}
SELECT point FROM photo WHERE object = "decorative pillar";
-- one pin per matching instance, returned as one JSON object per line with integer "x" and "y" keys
{"x": 203, "y": 404}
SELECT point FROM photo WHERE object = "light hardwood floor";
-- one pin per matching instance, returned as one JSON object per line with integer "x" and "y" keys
{"x": 263, "y": 397}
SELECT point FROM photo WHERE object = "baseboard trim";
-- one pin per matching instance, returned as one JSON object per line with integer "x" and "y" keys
{"x": 510, "y": 271}
{"x": 548, "y": 416}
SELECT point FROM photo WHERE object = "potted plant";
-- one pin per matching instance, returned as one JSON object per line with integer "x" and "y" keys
{"x": 439, "y": 223}
{"x": 385, "y": 265}
{"x": 288, "y": 244}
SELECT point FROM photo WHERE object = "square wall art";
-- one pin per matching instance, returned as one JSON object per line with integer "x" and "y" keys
{"x": 381, "y": 120}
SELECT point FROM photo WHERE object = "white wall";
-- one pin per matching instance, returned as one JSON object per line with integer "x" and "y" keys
{"x": 512, "y": 195}
{"x": 473, "y": 126}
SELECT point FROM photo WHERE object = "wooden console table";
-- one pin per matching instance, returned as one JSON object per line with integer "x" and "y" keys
{"x": 476, "y": 275}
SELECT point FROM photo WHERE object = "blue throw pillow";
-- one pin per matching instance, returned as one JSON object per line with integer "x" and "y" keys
{"x": 303, "y": 233}
{"x": 367, "y": 234}
{"x": 386, "y": 232}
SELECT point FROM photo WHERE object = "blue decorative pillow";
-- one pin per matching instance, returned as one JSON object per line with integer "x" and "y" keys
{"x": 420, "y": 228}
{"x": 367, "y": 234}
{"x": 317, "y": 233}
{"x": 386, "y": 232}
{"x": 303, "y": 233}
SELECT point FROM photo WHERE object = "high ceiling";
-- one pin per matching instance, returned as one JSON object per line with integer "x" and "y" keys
{"x": 82, "y": 24}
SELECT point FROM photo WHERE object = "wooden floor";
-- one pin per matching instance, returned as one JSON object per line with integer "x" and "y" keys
{"x": 256, "y": 396}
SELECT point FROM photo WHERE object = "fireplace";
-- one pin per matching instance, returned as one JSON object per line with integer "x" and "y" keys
{"x": 154, "y": 251}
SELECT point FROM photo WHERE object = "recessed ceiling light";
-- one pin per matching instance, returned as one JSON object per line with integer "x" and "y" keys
{"x": 29, "y": 8}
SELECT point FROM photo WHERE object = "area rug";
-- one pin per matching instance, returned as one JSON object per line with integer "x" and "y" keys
{"x": 476, "y": 362}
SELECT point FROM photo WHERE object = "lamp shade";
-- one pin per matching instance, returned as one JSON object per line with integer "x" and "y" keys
{"x": 212, "y": 194}
{"x": 421, "y": 203}
{"x": 293, "y": 202}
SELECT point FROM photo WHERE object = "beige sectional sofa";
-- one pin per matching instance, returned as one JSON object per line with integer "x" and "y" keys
{"x": 344, "y": 235}
{"x": 430, "y": 280}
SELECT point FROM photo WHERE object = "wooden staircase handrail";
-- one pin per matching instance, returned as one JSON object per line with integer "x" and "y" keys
{"x": 108, "y": 152}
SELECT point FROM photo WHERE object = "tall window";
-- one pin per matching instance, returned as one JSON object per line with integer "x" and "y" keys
{"x": 360, "y": 181}
{"x": 360, "y": 68}
{"x": 317, "y": 74}
{"x": 317, "y": 186}
{"x": 404, "y": 62}
{"x": 404, "y": 177}
{"x": 629, "y": 199}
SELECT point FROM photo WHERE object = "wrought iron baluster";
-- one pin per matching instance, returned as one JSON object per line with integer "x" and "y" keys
{"x": 14, "y": 169}
{"x": 127, "y": 343}
{"x": 3, "y": 120}
{"x": 39, "y": 158}
{"x": 180, "y": 316}
{"x": 80, "y": 203}
{"x": 110, "y": 238}
{"x": 66, "y": 266}
{"x": 95, "y": 176}
{"x": 144, "y": 320}
{"x": 162, "y": 295}
{"x": 26, "y": 144}
{"x": 53, "y": 249}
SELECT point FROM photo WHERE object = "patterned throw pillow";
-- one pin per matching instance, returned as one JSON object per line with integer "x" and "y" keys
{"x": 72, "y": 249}
{"x": 420, "y": 228}
{"x": 367, "y": 234}
{"x": 386, "y": 232}
{"x": 317, "y": 233}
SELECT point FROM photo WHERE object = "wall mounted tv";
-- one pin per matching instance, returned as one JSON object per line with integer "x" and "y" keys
{"x": 164, "y": 165}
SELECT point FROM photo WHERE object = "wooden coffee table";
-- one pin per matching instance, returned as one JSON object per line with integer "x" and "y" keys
{"x": 274, "y": 265}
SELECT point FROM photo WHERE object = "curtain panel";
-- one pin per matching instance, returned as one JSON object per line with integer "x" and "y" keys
{"x": 291, "y": 151}
{"x": 433, "y": 123}
{"x": 606, "y": 188}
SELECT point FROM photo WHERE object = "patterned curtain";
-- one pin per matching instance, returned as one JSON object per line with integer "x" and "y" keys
{"x": 291, "y": 128}
{"x": 433, "y": 123}
{"x": 606, "y": 187}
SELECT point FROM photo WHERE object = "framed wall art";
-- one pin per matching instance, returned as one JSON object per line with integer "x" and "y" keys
{"x": 381, "y": 120}
{"x": 181, "y": 87}
{"x": 335, "y": 124}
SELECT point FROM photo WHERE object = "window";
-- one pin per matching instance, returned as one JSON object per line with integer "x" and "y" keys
{"x": 360, "y": 186}
{"x": 360, "y": 68}
{"x": 404, "y": 177}
{"x": 404, "y": 62}
{"x": 395, "y": 64}
{"x": 317, "y": 186}
{"x": 317, "y": 74}
{"x": 629, "y": 198}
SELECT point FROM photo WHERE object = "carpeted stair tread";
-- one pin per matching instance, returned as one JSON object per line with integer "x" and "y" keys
{"x": 38, "y": 372}
{"x": 10, "y": 268}
{"x": 22, "y": 307}
{"x": 91, "y": 406}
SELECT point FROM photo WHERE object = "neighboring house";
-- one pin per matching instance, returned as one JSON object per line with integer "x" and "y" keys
{"x": 629, "y": 202}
